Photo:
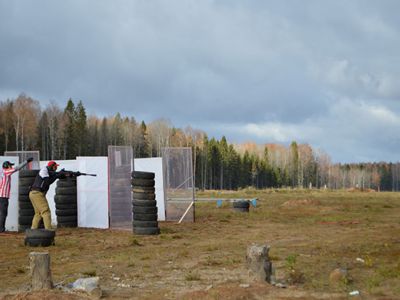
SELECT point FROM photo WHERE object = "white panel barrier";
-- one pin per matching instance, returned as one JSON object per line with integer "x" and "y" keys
{"x": 93, "y": 192}
{"x": 70, "y": 165}
{"x": 154, "y": 165}
{"x": 12, "y": 218}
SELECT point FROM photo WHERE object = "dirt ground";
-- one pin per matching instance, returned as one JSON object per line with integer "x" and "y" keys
{"x": 311, "y": 233}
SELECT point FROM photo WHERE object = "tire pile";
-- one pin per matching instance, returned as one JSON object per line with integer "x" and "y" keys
{"x": 25, "y": 208}
{"x": 241, "y": 206}
{"x": 66, "y": 203}
{"x": 144, "y": 205}
{"x": 39, "y": 237}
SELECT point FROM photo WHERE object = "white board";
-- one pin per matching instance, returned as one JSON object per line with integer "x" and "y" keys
{"x": 154, "y": 165}
{"x": 93, "y": 192}
{"x": 12, "y": 217}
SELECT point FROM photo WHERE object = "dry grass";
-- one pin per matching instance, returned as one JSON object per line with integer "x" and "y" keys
{"x": 311, "y": 233}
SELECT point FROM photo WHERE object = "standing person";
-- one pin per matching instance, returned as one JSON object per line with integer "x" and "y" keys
{"x": 5, "y": 188}
{"x": 47, "y": 175}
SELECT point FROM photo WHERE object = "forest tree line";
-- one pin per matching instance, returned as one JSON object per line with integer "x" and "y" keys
{"x": 64, "y": 133}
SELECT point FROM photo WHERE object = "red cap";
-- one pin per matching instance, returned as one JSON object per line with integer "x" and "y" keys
{"x": 52, "y": 163}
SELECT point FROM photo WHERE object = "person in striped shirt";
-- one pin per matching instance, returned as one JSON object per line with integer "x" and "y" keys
{"x": 5, "y": 188}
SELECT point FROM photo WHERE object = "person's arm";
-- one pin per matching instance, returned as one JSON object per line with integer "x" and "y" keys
{"x": 20, "y": 166}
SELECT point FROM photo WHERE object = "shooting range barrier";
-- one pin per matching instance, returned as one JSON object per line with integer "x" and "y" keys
{"x": 178, "y": 183}
{"x": 105, "y": 201}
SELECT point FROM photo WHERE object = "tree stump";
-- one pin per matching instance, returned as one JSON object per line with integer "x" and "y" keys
{"x": 40, "y": 270}
{"x": 258, "y": 263}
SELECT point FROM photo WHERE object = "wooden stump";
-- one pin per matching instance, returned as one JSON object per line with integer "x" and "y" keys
{"x": 40, "y": 270}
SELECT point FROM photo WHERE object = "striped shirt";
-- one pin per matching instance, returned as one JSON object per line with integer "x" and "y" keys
{"x": 5, "y": 183}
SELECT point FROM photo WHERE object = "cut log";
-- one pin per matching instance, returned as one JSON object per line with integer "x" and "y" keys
{"x": 40, "y": 270}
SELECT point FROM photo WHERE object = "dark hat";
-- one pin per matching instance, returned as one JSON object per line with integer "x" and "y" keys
{"x": 7, "y": 164}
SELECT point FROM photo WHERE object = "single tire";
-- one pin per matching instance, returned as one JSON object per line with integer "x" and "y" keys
{"x": 65, "y": 199}
{"x": 66, "y": 183}
{"x": 143, "y": 175}
{"x": 241, "y": 204}
{"x": 143, "y": 189}
{"x": 39, "y": 242}
{"x": 146, "y": 230}
{"x": 40, "y": 233}
{"x": 66, "y": 191}
{"x": 24, "y": 198}
{"x": 144, "y": 202}
{"x": 143, "y": 196}
{"x": 142, "y": 182}
{"x": 28, "y": 173}
{"x": 25, "y": 220}
{"x": 144, "y": 209}
{"x": 241, "y": 209}
{"x": 66, "y": 212}
{"x": 145, "y": 223}
{"x": 67, "y": 219}
{"x": 24, "y": 190}
{"x": 66, "y": 206}
{"x": 145, "y": 217}
{"x": 26, "y": 181}
{"x": 67, "y": 224}
{"x": 26, "y": 212}
{"x": 25, "y": 205}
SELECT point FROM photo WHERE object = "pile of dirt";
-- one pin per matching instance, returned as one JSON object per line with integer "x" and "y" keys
{"x": 301, "y": 202}
{"x": 353, "y": 190}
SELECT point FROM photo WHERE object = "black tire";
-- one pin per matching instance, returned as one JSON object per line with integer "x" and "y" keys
{"x": 145, "y": 223}
{"x": 24, "y": 198}
{"x": 66, "y": 183}
{"x": 24, "y": 190}
{"x": 25, "y": 205}
{"x": 143, "y": 196}
{"x": 66, "y": 191}
{"x": 145, "y": 217}
{"x": 26, "y": 181}
{"x": 146, "y": 230}
{"x": 40, "y": 233}
{"x": 144, "y": 202}
{"x": 26, "y": 212}
{"x": 241, "y": 209}
{"x": 66, "y": 212}
{"x": 67, "y": 219}
{"x": 142, "y": 182}
{"x": 28, "y": 173}
{"x": 144, "y": 210}
{"x": 241, "y": 204}
{"x": 39, "y": 242}
{"x": 66, "y": 206}
{"x": 143, "y": 175}
{"x": 25, "y": 220}
{"x": 67, "y": 224}
{"x": 143, "y": 189}
{"x": 65, "y": 199}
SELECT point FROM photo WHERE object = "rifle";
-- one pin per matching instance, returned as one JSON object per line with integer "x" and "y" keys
{"x": 75, "y": 174}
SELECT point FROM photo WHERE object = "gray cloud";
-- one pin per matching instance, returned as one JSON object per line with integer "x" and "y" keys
{"x": 271, "y": 71}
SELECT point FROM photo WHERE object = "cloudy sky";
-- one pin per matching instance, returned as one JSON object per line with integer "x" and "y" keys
{"x": 326, "y": 73}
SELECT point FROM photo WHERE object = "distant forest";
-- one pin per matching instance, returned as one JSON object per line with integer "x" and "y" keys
{"x": 64, "y": 133}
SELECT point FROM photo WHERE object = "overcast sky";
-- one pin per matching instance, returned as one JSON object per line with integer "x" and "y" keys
{"x": 326, "y": 73}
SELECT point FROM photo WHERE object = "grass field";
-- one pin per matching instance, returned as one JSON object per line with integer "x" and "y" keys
{"x": 311, "y": 233}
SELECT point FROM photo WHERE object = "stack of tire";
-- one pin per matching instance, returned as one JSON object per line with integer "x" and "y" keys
{"x": 25, "y": 208}
{"x": 39, "y": 237}
{"x": 66, "y": 203}
{"x": 144, "y": 205}
{"x": 241, "y": 206}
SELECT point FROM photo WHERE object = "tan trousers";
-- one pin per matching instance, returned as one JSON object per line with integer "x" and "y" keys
{"x": 41, "y": 208}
